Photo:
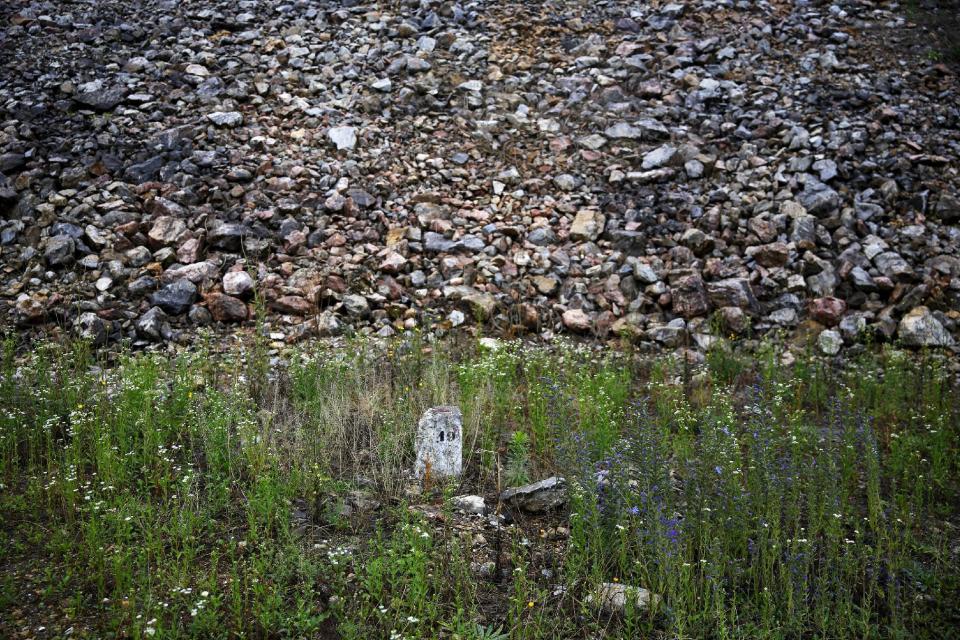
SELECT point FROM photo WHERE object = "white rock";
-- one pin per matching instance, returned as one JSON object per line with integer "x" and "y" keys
{"x": 659, "y": 157}
{"x": 237, "y": 283}
{"x": 548, "y": 125}
{"x": 593, "y": 141}
{"x": 384, "y": 85}
{"x": 469, "y": 504}
{"x": 709, "y": 85}
{"x": 343, "y": 137}
{"x": 228, "y": 119}
{"x": 565, "y": 182}
{"x": 694, "y": 168}
{"x": 456, "y": 318}
{"x": 830, "y": 342}
{"x": 612, "y": 597}
{"x": 622, "y": 130}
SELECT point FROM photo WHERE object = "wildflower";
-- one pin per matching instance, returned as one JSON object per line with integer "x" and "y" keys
{"x": 531, "y": 603}
{"x": 412, "y": 620}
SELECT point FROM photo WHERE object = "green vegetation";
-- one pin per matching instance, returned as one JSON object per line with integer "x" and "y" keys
{"x": 212, "y": 497}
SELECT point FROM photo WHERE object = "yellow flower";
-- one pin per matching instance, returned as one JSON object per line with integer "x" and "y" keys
{"x": 530, "y": 604}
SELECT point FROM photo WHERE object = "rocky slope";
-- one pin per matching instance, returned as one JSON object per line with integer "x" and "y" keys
{"x": 668, "y": 171}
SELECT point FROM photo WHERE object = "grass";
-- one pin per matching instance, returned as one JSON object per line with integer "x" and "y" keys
{"x": 204, "y": 496}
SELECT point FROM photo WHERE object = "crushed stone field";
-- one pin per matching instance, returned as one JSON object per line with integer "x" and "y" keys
{"x": 669, "y": 172}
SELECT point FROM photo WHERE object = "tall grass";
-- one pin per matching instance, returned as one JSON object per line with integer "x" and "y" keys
{"x": 212, "y": 496}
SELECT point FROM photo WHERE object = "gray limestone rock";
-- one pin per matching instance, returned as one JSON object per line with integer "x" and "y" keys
{"x": 538, "y": 497}
{"x": 920, "y": 328}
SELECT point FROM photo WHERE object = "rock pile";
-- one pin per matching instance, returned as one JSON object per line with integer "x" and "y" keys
{"x": 663, "y": 170}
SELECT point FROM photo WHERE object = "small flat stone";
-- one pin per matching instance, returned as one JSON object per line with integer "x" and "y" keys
{"x": 344, "y": 138}
{"x": 538, "y": 497}
{"x": 469, "y": 504}
{"x": 659, "y": 157}
{"x": 623, "y": 131}
{"x": 228, "y": 119}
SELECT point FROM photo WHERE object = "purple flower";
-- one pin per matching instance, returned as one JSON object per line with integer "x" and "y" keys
{"x": 672, "y": 532}
{"x": 718, "y": 470}
{"x": 673, "y": 535}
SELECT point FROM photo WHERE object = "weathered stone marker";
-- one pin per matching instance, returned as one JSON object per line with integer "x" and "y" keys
{"x": 439, "y": 443}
